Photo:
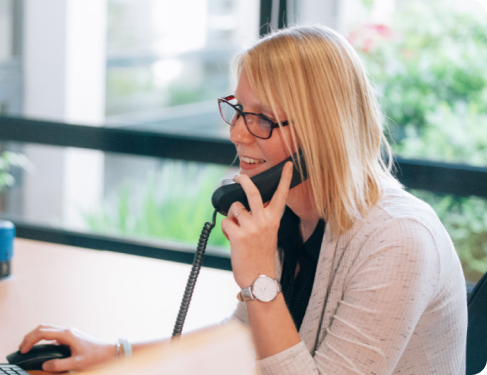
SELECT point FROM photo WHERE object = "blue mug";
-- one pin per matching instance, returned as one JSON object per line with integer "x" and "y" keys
{"x": 7, "y": 235}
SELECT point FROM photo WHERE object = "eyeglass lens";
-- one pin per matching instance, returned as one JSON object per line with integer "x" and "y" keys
{"x": 256, "y": 125}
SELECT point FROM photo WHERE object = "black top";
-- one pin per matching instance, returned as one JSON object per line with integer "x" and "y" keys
{"x": 297, "y": 291}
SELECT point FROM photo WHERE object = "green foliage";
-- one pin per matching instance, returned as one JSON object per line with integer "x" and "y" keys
{"x": 132, "y": 89}
{"x": 430, "y": 71}
{"x": 465, "y": 219}
{"x": 456, "y": 134}
{"x": 175, "y": 205}
{"x": 429, "y": 68}
{"x": 129, "y": 80}
{"x": 209, "y": 89}
{"x": 7, "y": 160}
{"x": 369, "y": 4}
{"x": 434, "y": 55}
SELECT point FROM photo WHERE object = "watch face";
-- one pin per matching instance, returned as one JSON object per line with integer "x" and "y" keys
{"x": 265, "y": 289}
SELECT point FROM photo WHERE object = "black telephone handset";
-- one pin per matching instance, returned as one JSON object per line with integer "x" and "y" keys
{"x": 223, "y": 197}
{"x": 267, "y": 182}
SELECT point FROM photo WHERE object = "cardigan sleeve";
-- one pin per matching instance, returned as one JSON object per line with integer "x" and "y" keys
{"x": 386, "y": 290}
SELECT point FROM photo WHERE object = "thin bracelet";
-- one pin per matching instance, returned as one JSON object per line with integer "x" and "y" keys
{"x": 117, "y": 355}
{"x": 127, "y": 348}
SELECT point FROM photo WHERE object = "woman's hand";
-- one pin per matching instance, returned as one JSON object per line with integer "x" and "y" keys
{"x": 86, "y": 352}
{"x": 253, "y": 235}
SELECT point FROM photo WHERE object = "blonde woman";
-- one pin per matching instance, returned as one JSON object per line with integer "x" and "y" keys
{"x": 345, "y": 273}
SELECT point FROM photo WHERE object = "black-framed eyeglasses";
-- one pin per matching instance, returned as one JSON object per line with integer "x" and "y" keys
{"x": 258, "y": 125}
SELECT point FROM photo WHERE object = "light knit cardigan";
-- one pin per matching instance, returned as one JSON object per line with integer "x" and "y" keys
{"x": 389, "y": 297}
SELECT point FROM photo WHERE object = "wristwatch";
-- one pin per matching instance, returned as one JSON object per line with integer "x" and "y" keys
{"x": 264, "y": 289}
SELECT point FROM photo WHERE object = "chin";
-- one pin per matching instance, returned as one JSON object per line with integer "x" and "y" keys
{"x": 249, "y": 173}
{"x": 252, "y": 169}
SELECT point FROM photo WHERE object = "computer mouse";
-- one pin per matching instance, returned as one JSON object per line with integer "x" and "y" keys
{"x": 34, "y": 358}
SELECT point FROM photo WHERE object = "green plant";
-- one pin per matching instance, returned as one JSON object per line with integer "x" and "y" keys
{"x": 429, "y": 70}
{"x": 175, "y": 204}
{"x": 465, "y": 219}
{"x": 433, "y": 55}
{"x": 452, "y": 134}
{"x": 7, "y": 160}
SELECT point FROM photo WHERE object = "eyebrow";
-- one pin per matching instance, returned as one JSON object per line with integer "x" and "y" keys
{"x": 265, "y": 110}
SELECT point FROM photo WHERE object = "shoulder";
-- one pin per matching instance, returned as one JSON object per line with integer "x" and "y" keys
{"x": 400, "y": 231}
{"x": 395, "y": 244}
{"x": 397, "y": 203}
{"x": 398, "y": 221}
{"x": 399, "y": 213}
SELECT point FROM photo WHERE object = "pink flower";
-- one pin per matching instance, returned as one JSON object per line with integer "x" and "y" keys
{"x": 384, "y": 31}
{"x": 367, "y": 36}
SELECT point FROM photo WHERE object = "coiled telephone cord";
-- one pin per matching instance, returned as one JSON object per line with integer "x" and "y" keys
{"x": 193, "y": 276}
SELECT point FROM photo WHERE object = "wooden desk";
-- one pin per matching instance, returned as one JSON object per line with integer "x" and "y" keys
{"x": 104, "y": 294}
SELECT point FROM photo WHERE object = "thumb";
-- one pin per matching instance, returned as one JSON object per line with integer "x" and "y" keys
{"x": 226, "y": 235}
{"x": 60, "y": 365}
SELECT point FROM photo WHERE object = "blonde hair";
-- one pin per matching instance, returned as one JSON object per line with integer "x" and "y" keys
{"x": 314, "y": 75}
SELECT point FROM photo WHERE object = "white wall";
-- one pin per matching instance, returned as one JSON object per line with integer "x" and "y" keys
{"x": 247, "y": 22}
{"x": 342, "y": 15}
{"x": 323, "y": 12}
{"x": 64, "y": 71}
{"x": 5, "y": 29}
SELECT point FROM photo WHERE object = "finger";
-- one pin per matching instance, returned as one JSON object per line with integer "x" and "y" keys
{"x": 43, "y": 334}
{"x": 61, "y": 365}
{"x": 229, "y": 227}
{"x": 227, "y": 224}
{"x": 279, "y": 198}
{"x": 225, "y": 234}
{"x": 236, "y": 211}
{"x": 32, "y": 338}
{"x": 252, "y": 193}
{"x": 38, "y": 327}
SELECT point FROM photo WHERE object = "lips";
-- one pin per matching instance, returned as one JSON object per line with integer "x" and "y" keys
{"x": 251, "y": 160}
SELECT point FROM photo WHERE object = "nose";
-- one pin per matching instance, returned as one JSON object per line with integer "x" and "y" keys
{"x": 239, "y": 132}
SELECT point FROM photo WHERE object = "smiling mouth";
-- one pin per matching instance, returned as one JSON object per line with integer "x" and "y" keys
{"x": 251, "y": 161}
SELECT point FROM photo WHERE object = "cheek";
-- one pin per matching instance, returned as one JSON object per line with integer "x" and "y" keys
{"x": 285, "y": 142}
{"x": 289, "y": 137}
{"x": 275, "y": 150}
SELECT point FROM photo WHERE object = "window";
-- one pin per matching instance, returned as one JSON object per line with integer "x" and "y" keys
{"x": 10, "y": 68}
{"x": 164, "y": 64}
{"x": 164, "y": 54}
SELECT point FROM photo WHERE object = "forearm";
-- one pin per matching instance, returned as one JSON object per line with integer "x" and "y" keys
{"x": 272, "y": 327}
{"x": 143, "y": 345}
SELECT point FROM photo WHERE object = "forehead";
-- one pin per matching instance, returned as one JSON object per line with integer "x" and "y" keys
{"x": 246, "y": 96}
{"x": 244, "y": 93}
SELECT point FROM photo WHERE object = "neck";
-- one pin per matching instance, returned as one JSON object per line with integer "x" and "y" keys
{"x": 303, "y": 205}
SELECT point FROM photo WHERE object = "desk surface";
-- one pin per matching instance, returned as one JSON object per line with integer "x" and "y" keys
{"x": 104, "y": 294}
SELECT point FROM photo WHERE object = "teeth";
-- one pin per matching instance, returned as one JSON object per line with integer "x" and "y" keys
{"x": 251, "y": 161}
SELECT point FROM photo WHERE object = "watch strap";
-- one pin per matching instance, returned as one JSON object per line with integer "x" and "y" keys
{"x": 246, "y": 295}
